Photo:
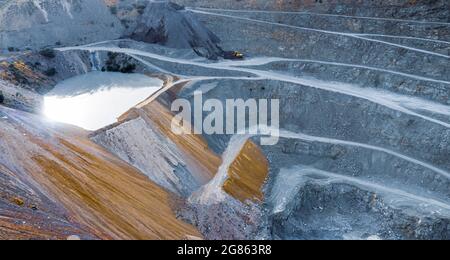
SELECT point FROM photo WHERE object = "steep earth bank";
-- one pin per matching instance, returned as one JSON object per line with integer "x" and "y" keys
{"x": 61, "y": 184}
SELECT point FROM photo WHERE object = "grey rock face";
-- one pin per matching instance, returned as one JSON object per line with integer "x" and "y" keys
{"x": 430, "y": 10}
{"x": 28, "y": 76}
{"x": 324, "y": 113}
{"x": 17, "y": 97}
{"x": 298, "y": 41}
{"x": 326, "y": 210}
{"x": 170, "y": 25}
{"x": 357, "y": 168}
{"x": 328, "y": 188}
{"x": 237, "y": 221}
{"x": 358, "y": 180}
{"x": 140, "y": 143}
{"x": 39, "y": 23}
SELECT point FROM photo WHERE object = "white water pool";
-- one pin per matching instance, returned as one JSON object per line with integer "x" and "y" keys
{"x": 95, "y": 100}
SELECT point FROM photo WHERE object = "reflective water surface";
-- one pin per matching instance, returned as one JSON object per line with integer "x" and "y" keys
{"x": 95, "y": 100}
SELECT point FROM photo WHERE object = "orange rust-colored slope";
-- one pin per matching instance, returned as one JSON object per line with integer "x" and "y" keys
{"x": 194, "y": 147}
{"x": 200, "y": 159}
{"x": 17, "y": 71}
{"x": 247, "y": 174}
{"x": 18, "y": 223}
{"x": 106, "y": 196}
{"x": 26, "y": 214}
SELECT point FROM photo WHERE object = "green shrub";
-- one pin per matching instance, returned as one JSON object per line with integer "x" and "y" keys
{"x": 113, "y": 65}
{"x": 48, "y": 53}
{"x": 13, "y": 49}
{"x": 140, "y": 9}
{"x": 50, "y": 72}
{"x": 113, "y": 10}
{"x": 128, "y": 68}
{"x": 18, "y": 75}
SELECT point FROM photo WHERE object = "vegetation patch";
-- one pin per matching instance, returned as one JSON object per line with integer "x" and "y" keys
{"x": 16, "y": 74}
{"x": 18, "y": 201}
{"x": 113, "y": 10}
{"x": 48, "y": 53}
{"x": 13, "y": 49}
{"x": 116, "y": 63}
{"x": 50, "y": 72}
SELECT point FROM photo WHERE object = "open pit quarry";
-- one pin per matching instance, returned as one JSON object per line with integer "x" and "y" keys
{"x": 363, "y": 147}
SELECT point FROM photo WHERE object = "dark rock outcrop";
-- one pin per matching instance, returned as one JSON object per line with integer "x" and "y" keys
{"x": 170, "y": 25}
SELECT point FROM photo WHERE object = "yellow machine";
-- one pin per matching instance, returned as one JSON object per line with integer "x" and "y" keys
{"x": 233, "y": 55}
{"x": 238, "y": 55}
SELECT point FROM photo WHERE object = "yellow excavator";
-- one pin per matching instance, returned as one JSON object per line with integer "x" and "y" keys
{"x": 233, "y": 55}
